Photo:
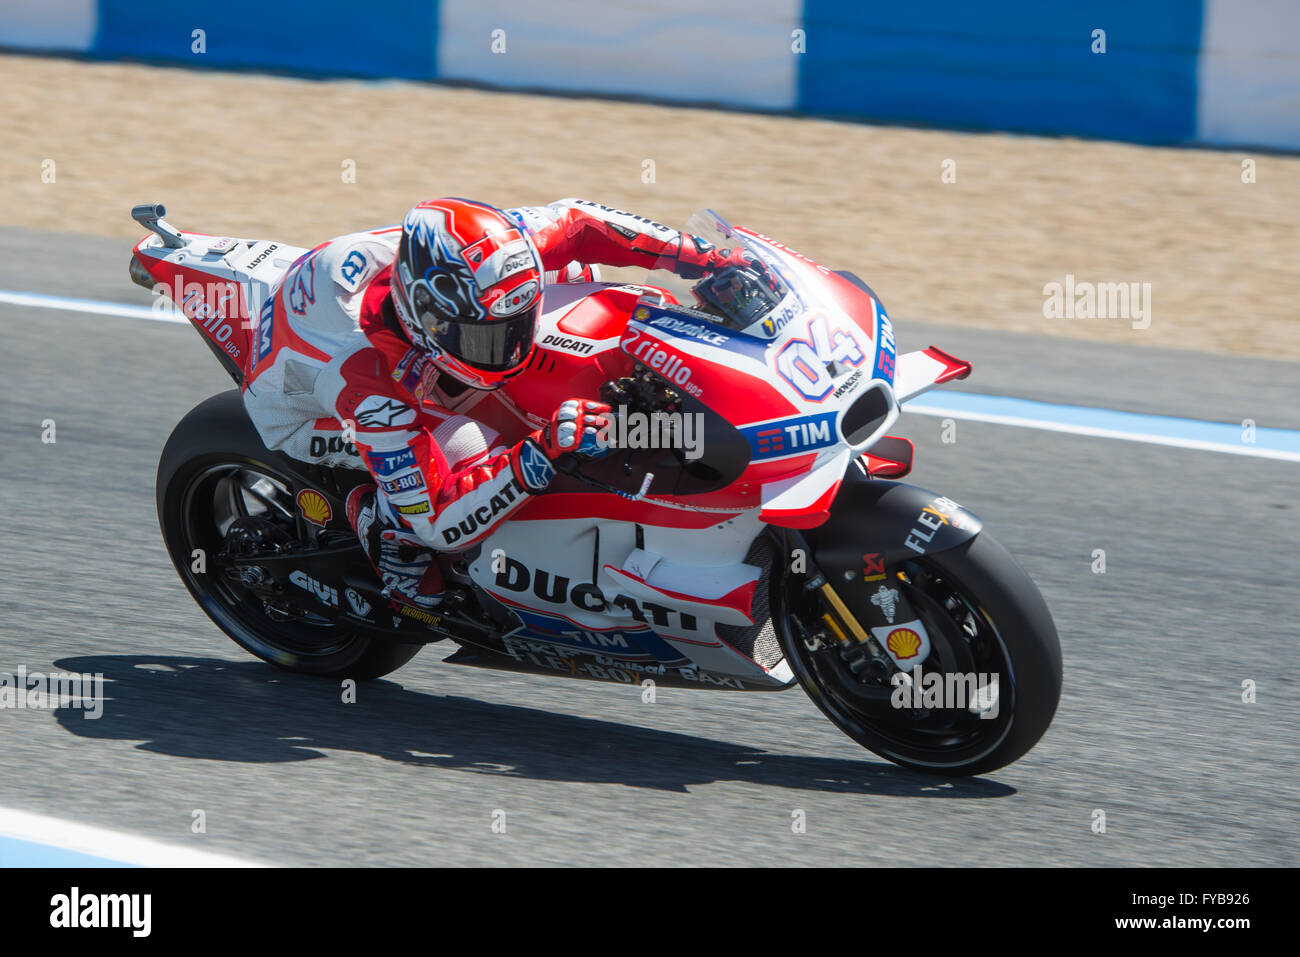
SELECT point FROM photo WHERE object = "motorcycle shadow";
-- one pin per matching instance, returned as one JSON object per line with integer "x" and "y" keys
{"x": 250, "y": 712}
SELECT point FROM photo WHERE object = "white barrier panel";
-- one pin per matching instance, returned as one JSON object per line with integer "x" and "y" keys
{"x": 1250, "y": 73}
{"x": 736, "y": 52}
{"x": 48, "y": 24}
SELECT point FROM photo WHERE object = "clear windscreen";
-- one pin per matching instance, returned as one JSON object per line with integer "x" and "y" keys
{"x": 756, "y": 295}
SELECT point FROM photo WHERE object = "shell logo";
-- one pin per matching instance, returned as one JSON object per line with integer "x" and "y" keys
{"x": 903, "y": 642}
{"x": 314, "y": 507}
{"x": 641, "y": 314}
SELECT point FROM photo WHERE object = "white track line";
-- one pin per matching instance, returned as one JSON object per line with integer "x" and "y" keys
{"x": 110, "y": 845}
{"x": 1226, "y": 438}
{"x": 36, "y": 300}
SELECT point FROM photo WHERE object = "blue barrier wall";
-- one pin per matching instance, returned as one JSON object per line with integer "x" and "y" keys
{"x": 395, "y": 38}
{"x": 1173, "y": 71}
{"x": 1013, "y": 64}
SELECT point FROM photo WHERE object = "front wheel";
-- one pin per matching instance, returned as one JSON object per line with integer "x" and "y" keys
{"x": 994, "y": 649}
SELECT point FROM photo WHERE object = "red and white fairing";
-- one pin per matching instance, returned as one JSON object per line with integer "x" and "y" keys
{"x": 219, "y": 283}
{"x": 812, "y": 386}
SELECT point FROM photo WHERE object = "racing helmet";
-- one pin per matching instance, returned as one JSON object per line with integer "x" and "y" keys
{"x": 467, "y": 288}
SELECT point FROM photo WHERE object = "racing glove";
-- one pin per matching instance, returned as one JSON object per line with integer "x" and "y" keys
{"x": 577, "y": 428}
{"x": 742, "y": 257}
{"x": 695, "y": 263}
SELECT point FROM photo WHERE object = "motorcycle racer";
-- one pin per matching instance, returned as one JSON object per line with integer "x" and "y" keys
{"x": 369, "y": 330}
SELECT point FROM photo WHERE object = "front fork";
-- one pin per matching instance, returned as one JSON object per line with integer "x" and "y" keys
{"x": 856, "y": 637}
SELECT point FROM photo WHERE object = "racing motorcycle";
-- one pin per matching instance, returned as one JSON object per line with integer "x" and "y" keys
{"x": 746, "y": 529}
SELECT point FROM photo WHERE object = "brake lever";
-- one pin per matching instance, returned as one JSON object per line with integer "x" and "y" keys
{"x": 570, "y": 464}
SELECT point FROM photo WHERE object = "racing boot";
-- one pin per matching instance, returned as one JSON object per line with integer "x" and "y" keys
{"x": 404, "y": 564}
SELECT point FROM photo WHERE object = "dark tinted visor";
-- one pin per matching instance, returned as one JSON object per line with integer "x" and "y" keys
{"x": 493, "y": 345}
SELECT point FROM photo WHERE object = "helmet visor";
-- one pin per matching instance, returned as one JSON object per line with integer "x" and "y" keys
{"x": 494, "y": 345}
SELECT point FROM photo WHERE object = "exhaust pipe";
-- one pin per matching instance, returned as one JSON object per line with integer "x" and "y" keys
{"x": 139, "y": 275}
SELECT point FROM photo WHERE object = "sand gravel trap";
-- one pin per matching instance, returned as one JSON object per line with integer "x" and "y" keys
{"x": 264, "y": 156}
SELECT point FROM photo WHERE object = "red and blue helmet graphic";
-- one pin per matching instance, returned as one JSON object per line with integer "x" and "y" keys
{"x": 467, "y": 287}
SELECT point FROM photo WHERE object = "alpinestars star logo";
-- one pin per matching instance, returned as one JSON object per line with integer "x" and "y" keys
{"x": 535, "y": 468}
{"x": 384, "y": 412}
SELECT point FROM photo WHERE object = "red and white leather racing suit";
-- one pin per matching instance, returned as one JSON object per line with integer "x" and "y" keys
{"x": 335, "y": 381}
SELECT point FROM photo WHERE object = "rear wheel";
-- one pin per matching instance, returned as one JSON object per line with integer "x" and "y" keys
{"x": 986, "y": 620}
{"x": 219, "y": 490}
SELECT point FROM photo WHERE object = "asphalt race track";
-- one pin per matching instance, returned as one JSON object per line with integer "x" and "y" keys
{"x": 1199, "y": 594}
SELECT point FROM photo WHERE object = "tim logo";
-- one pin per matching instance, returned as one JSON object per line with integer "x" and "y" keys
{"x": 770, "y": 440}
{"x": 885, "y": 350}
{"x": 386, "y": 463}
{"x": 791, "y": 436}
{"x": 265, "y": 330}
